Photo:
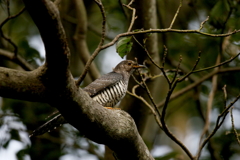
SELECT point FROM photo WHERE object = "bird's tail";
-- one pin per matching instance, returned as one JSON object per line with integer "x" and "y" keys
{"x": 50, "y": 125}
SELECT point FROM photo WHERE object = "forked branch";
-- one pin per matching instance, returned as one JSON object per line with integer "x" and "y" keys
{"x": 98, "y": 49}
{"x": 4, "y": 22}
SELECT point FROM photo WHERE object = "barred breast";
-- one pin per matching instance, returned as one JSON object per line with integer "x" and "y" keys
{"x": 110, "y": 96}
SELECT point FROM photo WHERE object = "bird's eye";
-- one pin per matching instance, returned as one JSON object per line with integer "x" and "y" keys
{"x": 129, "y": 64}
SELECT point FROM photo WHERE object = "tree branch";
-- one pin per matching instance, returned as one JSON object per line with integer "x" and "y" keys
{"x": 4, "y": 22}
{"x": 17, "y": 59}
{"x": 133, "y": 14}
{"x": 52, "y": 33}
{"x": 210, "y": 102}
{"x": 80, "y": 38}
{"x": 165, "y": 31}
{"x": 114, "y": 128}
{"x": 233, "y": 127}
{"x": 176, "y": 14}
{"x": 98, "y": 49}
{"x": 219, "y": 122}
{"x": 195, "y": 84}
{"x": 22, "y": 85}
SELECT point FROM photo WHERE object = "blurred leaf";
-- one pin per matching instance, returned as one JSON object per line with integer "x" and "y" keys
{"x": 5, "y": 145}
{"x": 167, "y": 156}
{"x": 15, "y": 135}
{"x": 219, "y": 13}
{"x": 171, "y": 74}
{"x": 124, "y": 46}
{"x": 29, "y": 53}
{"x": 21, "y": 153}
{"x": 144, "y": 70}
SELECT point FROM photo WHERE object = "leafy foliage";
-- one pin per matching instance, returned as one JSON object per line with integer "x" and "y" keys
{"x": 124, "y": 46}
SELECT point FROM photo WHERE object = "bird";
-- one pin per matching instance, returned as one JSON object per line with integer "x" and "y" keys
{"x": 107, "y": 90}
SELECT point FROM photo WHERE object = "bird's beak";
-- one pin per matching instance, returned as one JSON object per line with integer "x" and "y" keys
{"x": 139, "y": 66}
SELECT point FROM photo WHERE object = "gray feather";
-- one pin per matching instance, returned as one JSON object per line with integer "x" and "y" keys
{"x": 103, "y": 82}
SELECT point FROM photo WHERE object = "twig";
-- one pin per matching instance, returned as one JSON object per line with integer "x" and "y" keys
{"x": 164, "y": 113}
{"x": 164, "y": 55}
{"x": 80, "y": 38}
{"x": 164, "y": 31}
{"x": 177, "y": 69}
{"x": 183, "y": 68}
{"x": 184, "y": 90}
{"x": 165, "y": 128}
{"x": 172, "y": 85}
{"x": 151, "y": 59}
{"x": 133, "y": 14}
{"x": 135, "y": 79}
{"x": 176, "y": 14}
{"x": 1, "y": 31}
{"x": 218, "y": 125}
{"x": 145, "y": 49}
{"x": 146, "y": 103}
{"x": 233, "y": 127}
{"x": 230, "y": 105}
{"x": 121, "y": 5}
{"x": 210, "y": 102}
{"x": 214, "y": 88}
{"x": 149, "y": 95}
{"x": 99, "y": 48}
{"x": 225, "y": 94}
{"x": 195, "y": 84}
{"x": 163, "y": 63}
{"x": 192, "y": 71}
{"x": 161, "y": 74}
{"x": 218, "y": 65}
{"x": 100, "y": 5}
{"x": 17, "y": 59}
{"x": 201, "y": 25}
{"x": 8, "y": 8}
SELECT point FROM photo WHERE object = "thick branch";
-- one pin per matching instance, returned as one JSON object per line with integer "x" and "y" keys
{"x": 22, "y": 85}
{"x": 46, "y": 17}
{"x": 114, "y": 128}
{"x": 56, "y": 74}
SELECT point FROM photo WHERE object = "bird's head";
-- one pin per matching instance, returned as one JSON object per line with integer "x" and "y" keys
{"x": 127, "y": 66}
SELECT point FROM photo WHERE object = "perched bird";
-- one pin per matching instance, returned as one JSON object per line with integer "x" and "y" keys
{"x": 107, "y": 90}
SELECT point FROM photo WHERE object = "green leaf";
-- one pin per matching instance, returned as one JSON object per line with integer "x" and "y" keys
{"x": 219, "y": 13}
{"x": 170, "y": 74}
{"x": 124, "y": 46}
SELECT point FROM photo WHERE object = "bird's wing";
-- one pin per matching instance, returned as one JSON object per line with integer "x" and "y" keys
{"x": 103, "y": 82}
